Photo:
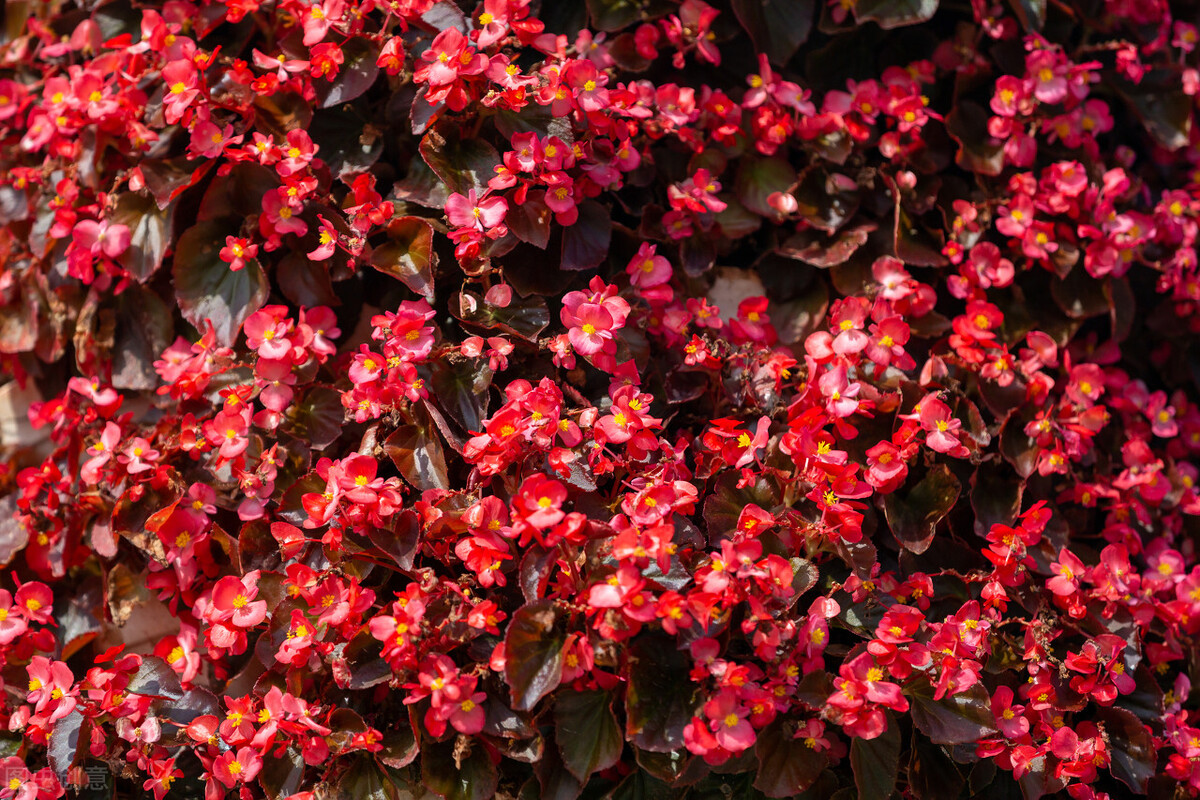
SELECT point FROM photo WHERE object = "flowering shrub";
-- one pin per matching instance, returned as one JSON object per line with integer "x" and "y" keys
{"x": 606, "y": 399}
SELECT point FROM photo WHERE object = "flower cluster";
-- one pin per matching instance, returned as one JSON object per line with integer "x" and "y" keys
{"x": 713, "y": 400}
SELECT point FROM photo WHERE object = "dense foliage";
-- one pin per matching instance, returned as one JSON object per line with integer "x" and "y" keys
{"x": 620, "y": 398}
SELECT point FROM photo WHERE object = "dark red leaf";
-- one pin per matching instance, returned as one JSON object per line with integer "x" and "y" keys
{"x": 533, "y": 647}
{"x": 587, "y": 733}
{"x": 585, "y": 244}
{"x": 408, "y": 254}
{"x": 913, "y": 516}
{"x": 207, "y": 289}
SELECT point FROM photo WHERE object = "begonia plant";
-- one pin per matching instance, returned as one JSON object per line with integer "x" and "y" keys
{"x": 599, "y": 399}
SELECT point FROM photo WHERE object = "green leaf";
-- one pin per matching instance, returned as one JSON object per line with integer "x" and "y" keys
{"x": 876, "y": 763}
{"x": 461, "y": 164}
{"x": 357, "y": 73}
{"x": 660, "y": 698}
{"x": 1133, "y": 754}
{"x": 786, "y": 765}
{"x": 962, "y": 718}
{"x": 777, "y": 27}
{"x": 587, "y": 734}
{"x": 149, "y": 233}
{"x": 585, "y": 244}
{"x": 533, "y": 647}
{"x": 456, "y": 776}
{"x": 894, "y": 13}
{"x": 914, "y": 517}
{"x": 207, "y": 289}
{"x": 408, "y": 254}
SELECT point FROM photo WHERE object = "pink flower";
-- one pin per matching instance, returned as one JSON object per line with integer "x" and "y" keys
{"x": 233, "y": 601}
{"x": 101, "y": 452}
{"x": 267, "y": 331}
{"x": 391, "y": 56}
{"x": 50, "y": 687}
{"x": 728, "y": 717}
{"x": 11, "y": 624}
{"x": 180, "y": 83}
{"x": 102, "y": 237}
{"x": 841, "y": 396}
{"x": 1067, "y": 572}
{"x": 279, "y": 216}
{"x": 227, "y": 431}
{"x": 472, "y": 211}
{"x": 646, "y": 269}
{"x": 298, "y": 151}
{"x": 317, "y": 19}
{"x": 35, "y": 602}
{"x": 326, "y": 241}
{"x": 593, "y": 330}
{"x": 588, "y": 84}
{"x": 939, "y": 426}
{"x": 138, "y": 456}
{"x": 1046, "y": 69}
{"x": 448, "y": 57}
{"x": 848, "y": 318}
